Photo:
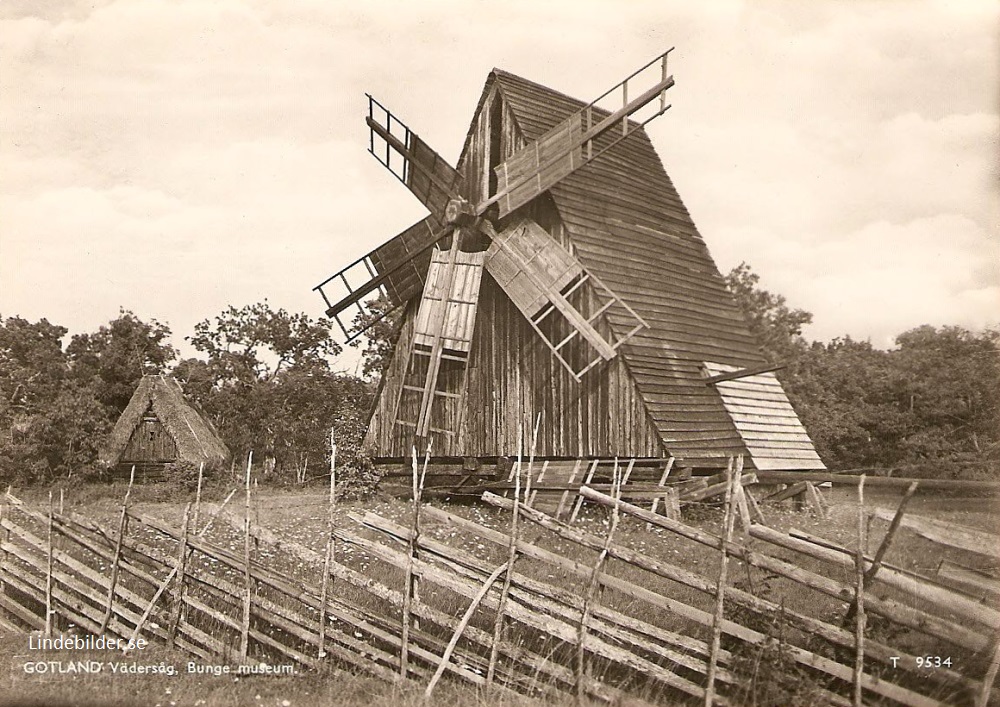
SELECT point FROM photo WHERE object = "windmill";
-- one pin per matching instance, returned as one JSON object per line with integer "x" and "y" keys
{"x": 538, "y": 274}
{"x": 559, "y": 277}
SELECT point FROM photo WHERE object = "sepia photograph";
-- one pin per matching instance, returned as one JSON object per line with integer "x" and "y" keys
{"x": 499, "y": 353}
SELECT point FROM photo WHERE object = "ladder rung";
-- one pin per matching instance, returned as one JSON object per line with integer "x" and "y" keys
{"x": 635, "y": 330}
{"x": 551, "y": 307}
{"x": 450, "y": 357}
{"x": 567, "y": 339}
{"x": 600, "y": 311}
{"x": 576, "y": 285}
{"x": 589, "y": 366}
{"x": 446, "y": 394}
{"x": 544, "y": 313}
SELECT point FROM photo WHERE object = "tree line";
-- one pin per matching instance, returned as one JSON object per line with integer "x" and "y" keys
{"x": 266, "y": 379}
{"x": 930, "y": 406}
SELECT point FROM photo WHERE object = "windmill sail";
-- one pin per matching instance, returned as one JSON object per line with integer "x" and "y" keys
{"x": 547, "y": 284}
{"x": 395, "y": 271}
{"x": 412, "y": 161}
{"x": 540, "y": 165}
{"x": 430, "y": 399}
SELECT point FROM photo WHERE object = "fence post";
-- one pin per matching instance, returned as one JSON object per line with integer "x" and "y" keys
{"x": 197, "y": 496}
{"x": 592, "y": 586}
{"x": 498, "y": 621}
{"x": 116, "y": 560}
{"x": 733, "y": 472}
{"x": 49, "y": 609}
{"x": 983, "y": 698}
{"x": 4, "y": 538}
{"x": 883, "y": 547}
{"x": 331, "y": 529}
{"x": 460, "y": 629}
{"x": 182, "y": 553}
{"x": 410, "y": 582}
{"x": 248, "y": 580}
{"x": 859, "y": 602}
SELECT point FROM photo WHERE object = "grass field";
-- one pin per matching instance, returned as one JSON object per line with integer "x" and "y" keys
{"x": 300, "y": 515}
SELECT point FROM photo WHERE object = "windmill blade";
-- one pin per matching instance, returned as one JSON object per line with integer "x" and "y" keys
{"x": 422, "y": 170}
{"x": 395, "y": 270}
{"x": 570, "y": 145}
{"x": 431, "y": 394}
{"x": 549, "y": 286}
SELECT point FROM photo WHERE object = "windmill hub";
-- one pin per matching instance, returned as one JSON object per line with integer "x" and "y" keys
{"x": 459, "y": 212}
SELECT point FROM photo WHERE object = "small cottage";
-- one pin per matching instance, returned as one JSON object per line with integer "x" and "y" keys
{"x": 161, "y": 430}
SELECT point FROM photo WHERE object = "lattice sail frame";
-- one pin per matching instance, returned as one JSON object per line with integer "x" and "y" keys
{"x": 540, "y": 277}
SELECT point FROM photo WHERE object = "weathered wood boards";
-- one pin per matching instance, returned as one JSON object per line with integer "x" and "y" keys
{"x": 816, "y": 477}
{"x": 948, "y": 534}
{"x": 764, "y": 418}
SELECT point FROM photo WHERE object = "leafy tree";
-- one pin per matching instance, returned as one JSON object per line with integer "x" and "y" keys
{"x": 256, "y": 343}
{"x": 929, "y": 403}
{"x": 844, "y": 393}
{"x": 270, "y": 387}
{"x": 380, "y": 336}
{"x": 771, "y": 320}
{"x": 949, "y": 382}
{"x": 32, "y": 363}
{"x": 116, "y": 356}
{"x": 50, "y": 421}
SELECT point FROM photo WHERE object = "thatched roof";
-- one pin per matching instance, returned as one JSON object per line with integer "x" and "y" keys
{"x": 196, "y": 438}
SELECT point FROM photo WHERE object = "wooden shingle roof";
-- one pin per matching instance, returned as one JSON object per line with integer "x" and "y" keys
{"x": 629, "y": 226}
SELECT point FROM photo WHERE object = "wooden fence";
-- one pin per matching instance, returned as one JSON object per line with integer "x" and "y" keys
{"x": 405, "y": 601}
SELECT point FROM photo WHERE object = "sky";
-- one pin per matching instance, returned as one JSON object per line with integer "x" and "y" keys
{"x": 174, "y": 157}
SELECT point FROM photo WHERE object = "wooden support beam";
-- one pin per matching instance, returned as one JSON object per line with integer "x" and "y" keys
{"x": 744, "y": 372}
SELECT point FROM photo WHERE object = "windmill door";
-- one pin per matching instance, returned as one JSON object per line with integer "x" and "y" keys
{"x": 150, "y": 442}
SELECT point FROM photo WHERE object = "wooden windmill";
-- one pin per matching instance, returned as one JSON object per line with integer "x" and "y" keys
{"x": 508, "y": 310}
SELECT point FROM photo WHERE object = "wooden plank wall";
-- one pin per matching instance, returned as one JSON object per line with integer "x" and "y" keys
{"x": 149, "y": 442}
